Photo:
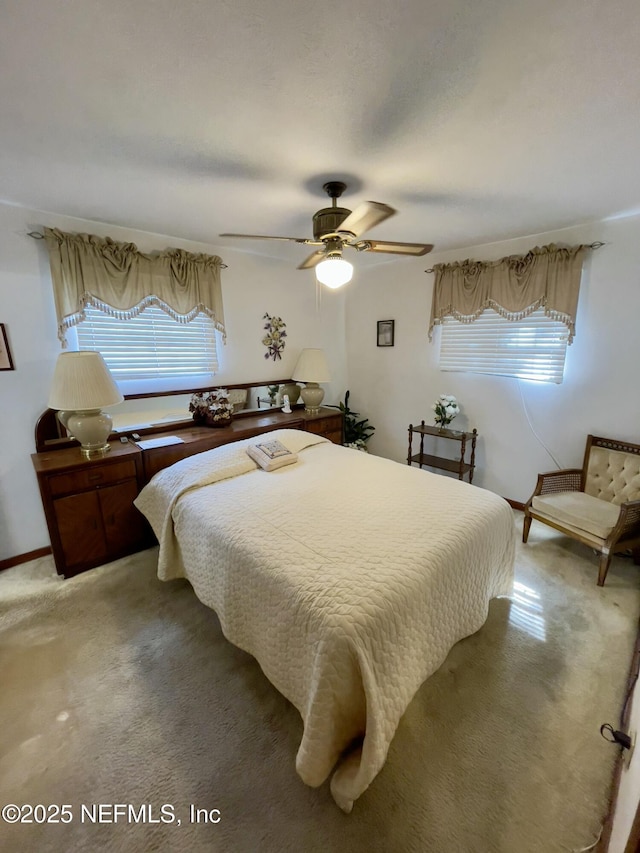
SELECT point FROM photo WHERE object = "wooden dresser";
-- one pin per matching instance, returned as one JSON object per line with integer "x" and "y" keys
{"x": 199, "y": 438}
{"x": 88, "y": 504}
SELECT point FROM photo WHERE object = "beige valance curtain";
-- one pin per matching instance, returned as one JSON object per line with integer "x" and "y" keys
{"x": 121, "y": 281}
{"x": 546, "y": 277}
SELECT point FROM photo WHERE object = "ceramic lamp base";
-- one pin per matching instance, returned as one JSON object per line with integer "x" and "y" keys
{"x": 312, "y": 396}
{"x": 91, "y": 428}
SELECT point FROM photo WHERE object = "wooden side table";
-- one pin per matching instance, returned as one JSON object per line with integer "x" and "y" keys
{"x": 458, "y": 466}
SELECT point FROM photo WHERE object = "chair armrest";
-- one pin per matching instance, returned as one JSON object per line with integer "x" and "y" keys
{"x": 628, "y": 521}
{"x": 565, "y": 480}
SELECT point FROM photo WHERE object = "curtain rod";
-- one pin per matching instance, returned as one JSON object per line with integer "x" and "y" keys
{"x": 38, "y": 236}
{"x": 595, "y": 245}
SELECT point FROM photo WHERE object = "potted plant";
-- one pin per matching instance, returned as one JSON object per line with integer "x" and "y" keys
{"x": 356, "y": 432}
{"x": 445, "y": 409}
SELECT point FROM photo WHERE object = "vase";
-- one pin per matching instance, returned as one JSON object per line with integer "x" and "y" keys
{"x": 212, "y": 421}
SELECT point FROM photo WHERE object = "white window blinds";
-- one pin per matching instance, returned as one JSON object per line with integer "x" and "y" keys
{"x": 152, "y": 345}
{"x": 532, "y": 348}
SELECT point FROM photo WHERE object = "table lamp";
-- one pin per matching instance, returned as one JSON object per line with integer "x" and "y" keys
{"x": 312, "y": 368}
{"x": 82, "y": 385}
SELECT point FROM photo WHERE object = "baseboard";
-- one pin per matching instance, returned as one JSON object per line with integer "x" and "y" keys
{"x": 515, "y": 504}
{"x": 607, "y": 828}
{"x": 23, "y": 558}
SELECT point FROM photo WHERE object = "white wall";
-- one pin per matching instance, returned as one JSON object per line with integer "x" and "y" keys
{"x": 396, "y": 386}
{"x": 251, "y": 285}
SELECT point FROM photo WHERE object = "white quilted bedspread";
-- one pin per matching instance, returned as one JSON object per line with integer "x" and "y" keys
{"x": 347, "y": 576}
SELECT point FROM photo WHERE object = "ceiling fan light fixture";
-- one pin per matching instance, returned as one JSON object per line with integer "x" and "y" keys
{"x": 334, "y": 271}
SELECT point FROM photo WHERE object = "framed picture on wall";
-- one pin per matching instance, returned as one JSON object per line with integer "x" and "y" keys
{"x": 6, "y": 362}
{"x": 385, "y": 333}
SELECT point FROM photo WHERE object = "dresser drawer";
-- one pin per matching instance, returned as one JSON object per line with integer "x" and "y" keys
{"x": 324, "y": 426}
{"x": 91, "y": 478}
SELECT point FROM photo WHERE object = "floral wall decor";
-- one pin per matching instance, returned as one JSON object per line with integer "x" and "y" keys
{"x": 274, "y": 339}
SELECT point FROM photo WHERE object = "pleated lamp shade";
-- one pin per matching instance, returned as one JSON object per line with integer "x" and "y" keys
{"x": 82, "y": 381}
{"x": 312, "y": 367}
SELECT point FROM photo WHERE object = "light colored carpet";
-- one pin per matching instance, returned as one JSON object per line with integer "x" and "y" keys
{"x": 117, "y": 688}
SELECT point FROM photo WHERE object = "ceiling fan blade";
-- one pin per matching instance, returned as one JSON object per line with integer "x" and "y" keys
{"x": 312, "y": 260}
{"x": 393, "y": 248}
{"x": 365, "y": 216}
{"x": 265, "y": 237}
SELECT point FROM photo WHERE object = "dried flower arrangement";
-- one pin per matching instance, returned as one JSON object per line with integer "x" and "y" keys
{"x": 213, "y": 408}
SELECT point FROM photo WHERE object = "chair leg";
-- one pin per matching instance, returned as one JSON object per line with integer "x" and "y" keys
{"x": 526, "y": 527}
{"x": 605, "y": 560}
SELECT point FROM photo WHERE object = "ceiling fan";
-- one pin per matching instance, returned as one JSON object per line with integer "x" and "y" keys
{"x": 336, "y": 228}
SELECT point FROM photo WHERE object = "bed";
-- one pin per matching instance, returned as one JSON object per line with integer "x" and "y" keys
{"x": 348, "y": 577}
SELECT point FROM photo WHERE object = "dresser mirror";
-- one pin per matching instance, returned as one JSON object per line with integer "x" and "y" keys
{"x": 149, "y": 412}
{"x": 144, "y": 412}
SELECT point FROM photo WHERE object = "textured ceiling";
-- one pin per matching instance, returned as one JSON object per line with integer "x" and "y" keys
{"x": 478, "y": 121}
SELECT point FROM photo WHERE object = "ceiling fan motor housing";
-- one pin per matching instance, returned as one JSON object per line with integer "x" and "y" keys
{"x": 328, "y": 220}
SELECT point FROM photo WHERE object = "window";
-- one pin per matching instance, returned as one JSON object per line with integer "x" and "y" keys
{"x": 152, "y": 350}
{"x": 532, "y": 348}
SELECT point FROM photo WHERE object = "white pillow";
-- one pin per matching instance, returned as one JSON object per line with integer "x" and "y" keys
{"x": 271, "y": 454}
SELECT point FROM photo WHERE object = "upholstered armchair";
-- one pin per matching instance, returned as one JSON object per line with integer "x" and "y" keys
{"x": 598, "y": 504}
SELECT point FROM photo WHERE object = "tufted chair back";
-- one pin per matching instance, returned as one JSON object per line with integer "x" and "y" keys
{"x": 612, "y": 475}
{"x": 238, "y": 398}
